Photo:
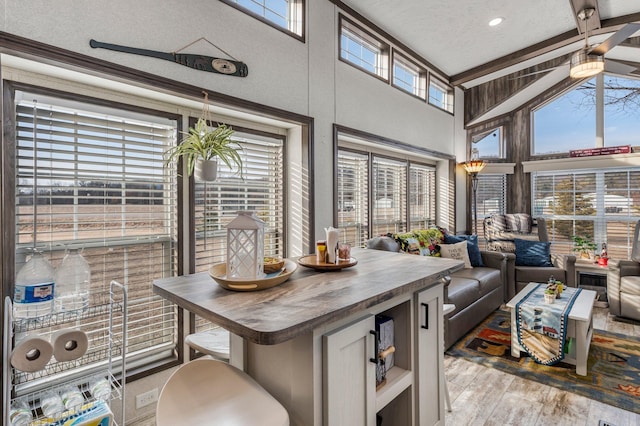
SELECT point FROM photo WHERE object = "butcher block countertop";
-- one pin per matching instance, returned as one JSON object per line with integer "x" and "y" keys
{"x": 309, "y": 298}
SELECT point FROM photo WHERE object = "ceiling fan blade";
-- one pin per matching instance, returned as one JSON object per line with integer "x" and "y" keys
{"x": 618, "y": 37}
{"x": 616, "y": 67}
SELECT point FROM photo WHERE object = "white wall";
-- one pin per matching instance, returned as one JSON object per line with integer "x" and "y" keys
{"x": 304, "y": 78}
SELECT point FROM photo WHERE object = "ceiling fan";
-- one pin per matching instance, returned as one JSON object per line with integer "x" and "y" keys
{"x": 590, "y": 60}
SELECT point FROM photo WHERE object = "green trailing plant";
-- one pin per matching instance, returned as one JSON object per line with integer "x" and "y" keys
{"x": 583, "y": 245}
{"x": 202, "y": 142}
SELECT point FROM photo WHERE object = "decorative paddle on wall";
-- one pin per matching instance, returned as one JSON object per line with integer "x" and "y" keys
{"x": 198, "y": 62}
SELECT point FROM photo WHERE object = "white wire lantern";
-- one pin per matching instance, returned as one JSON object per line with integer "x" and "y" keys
{"x": 245, "y": 247}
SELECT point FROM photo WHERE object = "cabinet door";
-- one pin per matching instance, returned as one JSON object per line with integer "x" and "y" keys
{"x": 430, "y": 357}
{"x": 349, "y": 389}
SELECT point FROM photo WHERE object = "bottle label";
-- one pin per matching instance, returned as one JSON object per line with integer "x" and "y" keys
{"x": 33, "y": 293}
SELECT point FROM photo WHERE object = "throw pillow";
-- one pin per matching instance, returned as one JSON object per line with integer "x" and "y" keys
{"x": 532, "y": 253}
{"x": 472, "y": 247}
{"x": 456, "y": 251}
{"x": 424, "y": 242}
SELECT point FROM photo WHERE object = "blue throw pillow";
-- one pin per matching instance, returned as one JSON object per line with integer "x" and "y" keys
{"x": 472, "y": 247}
{"x": 532, "y": 253}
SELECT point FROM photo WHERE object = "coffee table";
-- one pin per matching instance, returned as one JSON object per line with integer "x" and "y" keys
{"x": 580, "y": 328}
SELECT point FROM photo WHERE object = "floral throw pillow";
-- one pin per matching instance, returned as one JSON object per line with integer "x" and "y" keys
{"x": 425, "y": 242}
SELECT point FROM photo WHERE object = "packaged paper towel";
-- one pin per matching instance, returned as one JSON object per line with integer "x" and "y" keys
{"x": 332, "y": 243}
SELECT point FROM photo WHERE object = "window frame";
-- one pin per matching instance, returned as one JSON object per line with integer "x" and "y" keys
{"x": 404, "y": 61}
{"x": 139, "y": 364}
{"x": 296, "y": 24}
{"x": 368, "y": 38}
{"x": 601, "y": 216}
{"x": 445, "y": 89}
{"x": 502, "y": 154}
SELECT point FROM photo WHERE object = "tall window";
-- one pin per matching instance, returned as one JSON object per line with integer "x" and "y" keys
{"x": 396, "y": 196}
{"x": 422, "y": 202}
{"x": 353, "y": 196}
{"x": 408, "y": 76}
{"x": 491, "y": 197}
{"x": 440, "y": 94}
{"x": 621, "y": 111}
{"x": 260, "y": 188}
{"x": 569, "y": 121}
{"x": 93, "y": 178}
{"x": 602, "y": 205}
{"x": 285, "y": 14}
{"x": 389, "y": 196}
{"x": 363, "y": 50}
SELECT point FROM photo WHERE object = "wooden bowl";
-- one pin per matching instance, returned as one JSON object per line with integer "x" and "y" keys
{"x": 272, "y": 264}
{"x": 219, "y": 274}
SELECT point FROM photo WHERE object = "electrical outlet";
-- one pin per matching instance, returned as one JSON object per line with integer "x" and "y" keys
{"x": 146, "y": 398}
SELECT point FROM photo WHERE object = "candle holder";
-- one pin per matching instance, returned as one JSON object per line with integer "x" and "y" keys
{"x": 245, "y": 247}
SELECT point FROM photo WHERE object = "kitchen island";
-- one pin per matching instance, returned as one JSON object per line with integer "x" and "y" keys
{"x": 309, "y": 340}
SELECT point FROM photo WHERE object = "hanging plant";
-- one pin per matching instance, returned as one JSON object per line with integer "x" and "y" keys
{"x": 202, "y": 143}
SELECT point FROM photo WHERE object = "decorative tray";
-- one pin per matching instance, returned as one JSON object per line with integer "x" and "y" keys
{"x": 219, "y": 274}
{"x": 310, "y": 261}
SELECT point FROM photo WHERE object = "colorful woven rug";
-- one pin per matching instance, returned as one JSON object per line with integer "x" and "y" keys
{"x": 613, "y": 367}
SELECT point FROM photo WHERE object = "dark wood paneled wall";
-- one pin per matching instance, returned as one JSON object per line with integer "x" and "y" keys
{"x": 516, "y": 126}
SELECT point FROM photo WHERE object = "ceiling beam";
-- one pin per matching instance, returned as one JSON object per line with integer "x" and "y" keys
{"x": 594, "y": 20}
{"x": 533, "y": 51}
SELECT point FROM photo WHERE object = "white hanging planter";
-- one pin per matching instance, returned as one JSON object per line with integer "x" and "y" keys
{"x": 206, "y": 170}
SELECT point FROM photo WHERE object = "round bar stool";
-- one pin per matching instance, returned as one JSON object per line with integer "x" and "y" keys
{"x": 447, "y": 308}
{"x": 214, "y": 342}
{"x": 208, "y": 391}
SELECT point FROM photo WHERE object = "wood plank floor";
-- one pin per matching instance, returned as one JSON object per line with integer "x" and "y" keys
{"x": 484, "y": 396}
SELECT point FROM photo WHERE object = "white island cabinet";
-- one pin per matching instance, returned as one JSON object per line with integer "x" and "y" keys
{"x": 309, "y": 341}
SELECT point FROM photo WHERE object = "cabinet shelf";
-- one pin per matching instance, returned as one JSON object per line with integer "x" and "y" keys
{"x": 398, "y": 379}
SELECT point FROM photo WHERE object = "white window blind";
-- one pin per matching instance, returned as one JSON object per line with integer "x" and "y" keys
{"x": 490, "y": 198}
{"x": 422, "y": 189}
{"x": 389, "y": 196}
{"x": 353, "y": 197}
{"x": 600, "y": 205}
{"x": 260, "y": 188}
{"x": 92, "y": 177}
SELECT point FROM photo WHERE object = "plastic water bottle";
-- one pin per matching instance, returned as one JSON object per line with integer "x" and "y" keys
{"x": 73, "y": 279}
{"x": 34, "y": 288}
{"x": 20, "y": 413}
{"x": 100, "y": 388}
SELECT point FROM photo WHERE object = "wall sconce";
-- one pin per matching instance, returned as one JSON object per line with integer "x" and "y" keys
{"x": 473, "y": 167}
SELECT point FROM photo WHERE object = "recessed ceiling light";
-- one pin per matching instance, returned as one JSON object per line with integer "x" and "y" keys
{"x": 496, "y": 21}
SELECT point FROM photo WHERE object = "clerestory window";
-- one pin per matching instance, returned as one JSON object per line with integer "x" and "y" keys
{"x": 363, "y": 50}
{"x": 287, "y": 15}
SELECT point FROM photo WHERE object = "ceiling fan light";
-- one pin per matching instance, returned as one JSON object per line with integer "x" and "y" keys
{"x": 584, "y": 65}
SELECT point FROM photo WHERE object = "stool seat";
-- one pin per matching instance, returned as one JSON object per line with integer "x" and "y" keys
{"x": 214, "y": 342}
{"x": 208, "y": 391}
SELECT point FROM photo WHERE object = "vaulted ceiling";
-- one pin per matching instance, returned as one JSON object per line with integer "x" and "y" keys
{"x": 454, "y": 36}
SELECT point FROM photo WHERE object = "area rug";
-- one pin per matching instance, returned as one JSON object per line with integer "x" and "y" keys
{"x": 613, "y": 368}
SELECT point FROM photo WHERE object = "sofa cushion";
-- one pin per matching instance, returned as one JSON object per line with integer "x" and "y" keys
{"x": 538, "y": 274}
{"x": 532, "y": 253}
{"x": 462, "y": 292}
{"x": 630, "y": 285}
{"x": 472, "y": 247}
{"x": 383, "y": 243}
{"x": 425, "y": 241}
{"x": 488, "y": 279}
{"x": 456, "y": 251}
